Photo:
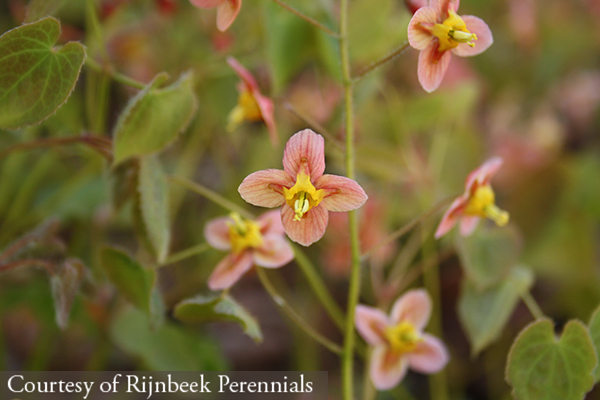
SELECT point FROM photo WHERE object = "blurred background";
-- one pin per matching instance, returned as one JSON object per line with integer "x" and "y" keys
{"x": 533, "y": 98}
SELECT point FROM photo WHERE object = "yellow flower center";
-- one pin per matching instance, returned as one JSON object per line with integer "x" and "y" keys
{"x": 302, "y": 196}
{"x": 452, "y": 32}
{"x": 403, "y": 338}
{"x": 247, "y": 109}
{"x": 243, "y": 233}
{"x": 482, "y": 204}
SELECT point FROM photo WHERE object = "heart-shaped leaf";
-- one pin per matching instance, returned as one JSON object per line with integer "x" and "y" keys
{"x": 488, "y": 256}
{"x": 132, "y": 280}
{"x": 154, "y": 205}
{"x": 154, "y": 118}
{"x": 484, "y": 314}
{"x": 594, "y": 328}
{"x": 542, "y": 367}
{"x": 215, "y": 308}
{"x": 35, "y": 78}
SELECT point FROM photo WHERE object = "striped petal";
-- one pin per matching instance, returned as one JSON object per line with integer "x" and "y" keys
{"x": 371, "y": 323}
{"x": 432, "y": 66}
{"x": 275, "y": 252}
{"x": 387, "y": 369}
{"x": 265, "y": 188}
{"x": 414, "y": 307}
{"x": 484, "y": 37}
{"x": 270, "y": 223}
{"x": 419, "y": 27}
{"x": 266, "y": 110}
{"x": 229, "y": 270}
{"x": 306, "y": 146}
{"x": 309, "y": 229}
{"x": 451, "y": 217}
{"x": 343, "y": 194}
{"x": 216, "y": 233}
{"x": 430, "y": 355}
{"x": 484, "y": 173}
{"x": 227, "y": 12}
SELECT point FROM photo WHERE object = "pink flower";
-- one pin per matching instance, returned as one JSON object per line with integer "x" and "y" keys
{"x": 252, "y": 105}
{"x": 414, "y": 5}
{"x": 437, "y": 28}
{"x": 227, "y": 10}
{"x": 477, "y": 202}
{"x": 305, "y": 194}
{"x": 259, "y": 242}
{"x": 399, "y": 341}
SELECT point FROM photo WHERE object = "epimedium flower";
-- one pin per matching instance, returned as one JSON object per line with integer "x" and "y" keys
{"x": 438, "y": 31}
{"x": 252, "y": 105}
{"x": 259, "y": 242}
{"x": 304, "y": 192}
{"x": 478, "y": 201}
{"x": 399, "y": 341}
{"x": 227, "y": 10}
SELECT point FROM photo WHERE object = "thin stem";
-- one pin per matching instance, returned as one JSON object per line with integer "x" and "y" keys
{"x": 532, "y": 305}
{"x": 184, "y": 254}
{"x": 107, "y": 70}
{"x": 293, "y": 315}
{"x": 313, "y": 124}
{"x": 396, "y": 52}
{"x": 210, "y": 195}
{"x": 28, "y": 262}
{"x": 307, "y": 19}
{"x": 319, "y": 287}
{"x": 100, "y": 144}
{"x": 408, "y": 227}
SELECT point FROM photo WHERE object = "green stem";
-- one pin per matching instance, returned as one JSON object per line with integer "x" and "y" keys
{"x": 293, "y": 315}
{"x": 109, "y": 71}
{"x": 354, "y": 289}
{"x": 184, "y": 254}
{"x": 318, "y": 286}
{"x": 396, "y": 52}
{"x": 532, "y": 305}
{"x": 307, "y": 19}
{"x": 210, "y": 195}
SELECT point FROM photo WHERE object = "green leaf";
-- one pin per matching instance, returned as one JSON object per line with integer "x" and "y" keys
{"x": 65, "y": 285}
{"x": 166, "y": 348}
{"x": 132, "y": 280}
{"x": 35, "y": 78}
{"x": 154, "y": 205}
{"x": 594, "y": 327}
{"x": 154, "y": 118}
{"x": 484, "y": 314}
{"x": 488, "y": 255}
{"x": 215, "y": 308}
{"x": 542, "y": 367}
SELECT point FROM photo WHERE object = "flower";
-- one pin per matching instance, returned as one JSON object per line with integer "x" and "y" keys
{"x": 227, "y": 10}
{"x": 437, "y": 28}
{"x": 252, "y": 105}
{"x": 399, "y": 341}
{"x": 478, "y": 201}
{"x": 305, "y": 194}
{"x": 259, "y": 242}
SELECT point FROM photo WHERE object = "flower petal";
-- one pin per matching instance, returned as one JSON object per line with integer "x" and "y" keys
{"x": 206, "y": 3}
{"x": 432, "y": 66}
{"x": 216, "y": 232}
{"x": 265, "y": 188}
{"x": 343, "y": 194}
{"x": 227, "y": 12}
{"x": 451, "y": 217}
{"x": 387, "y": 369}
{"x": 309, "y": 229}
{"x": 243, "y": 73}
{"x": 270, "y": 223}
{"x": 413, "y": 306}
{"x": 484, "y": 173}
{"x": 266, "y": 110}
{"x": 430, "y": 355}
{"x": 371, "y": 323}
{"x": 442, "y": 7}
{"x": 275, "y": 252}
{"x": 229, "y": 270}
{"x": 419, "y": 35}
{"x": 468, "y": 224}
{"x": 307, "y": 145}
{"x": 484, "y": 37}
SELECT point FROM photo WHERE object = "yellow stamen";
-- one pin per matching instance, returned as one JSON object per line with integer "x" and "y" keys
{"x": 247, "y": 109}
{"x": 303, "y": 195}
{"x": 452, "y": 32}
{"x": 482, "y": 204}
{"x": 243, "y": 233}
{"x": 403, "y": 338}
